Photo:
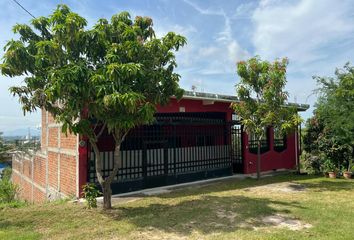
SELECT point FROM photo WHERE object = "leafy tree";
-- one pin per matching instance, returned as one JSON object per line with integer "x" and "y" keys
{"x": 331, "y": 130}
{"x": 335, "y": 105}
{"x": 262, "y": 99}
{"x": 314, "y": 127}
{"x": 107, "y": 78}
{"x": 3, "y": 149}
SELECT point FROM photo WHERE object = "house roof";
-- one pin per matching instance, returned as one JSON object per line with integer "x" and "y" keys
{"x": 227, "y": 98}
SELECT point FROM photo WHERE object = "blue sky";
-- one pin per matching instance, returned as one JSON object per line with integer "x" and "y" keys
{"x": 316, "y": 35}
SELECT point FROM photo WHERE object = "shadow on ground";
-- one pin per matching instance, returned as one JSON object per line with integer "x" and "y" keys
{"x": 330, "y": 185}
{"x": 211, "y": 208}
{"x": 205, "y": 214}
{"x": 230, "y": 184}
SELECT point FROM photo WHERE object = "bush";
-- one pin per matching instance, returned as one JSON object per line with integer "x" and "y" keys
{"x": 8, "y": 190}
{"x": 312, "y": 163}
{"x": 329, "y": 166}
{"x": 6, "y": 174}
{"x": 91, "y": 192}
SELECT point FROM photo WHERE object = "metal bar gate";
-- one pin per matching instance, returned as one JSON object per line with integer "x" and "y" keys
{"x": 177, "y": 148}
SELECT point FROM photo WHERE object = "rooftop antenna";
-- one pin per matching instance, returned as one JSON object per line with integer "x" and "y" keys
{"x": 194, "y": 88}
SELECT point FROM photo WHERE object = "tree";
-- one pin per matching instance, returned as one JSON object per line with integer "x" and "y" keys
{"x": 262, "y": 99}
{"x": 3, "y": 149}
{"x": 107, "y": 78}
{"x": 331, "y": 130}
{"x": 335, "y": 105}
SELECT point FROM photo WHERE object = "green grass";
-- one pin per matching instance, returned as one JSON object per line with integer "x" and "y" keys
{"x": 226, "y": 210}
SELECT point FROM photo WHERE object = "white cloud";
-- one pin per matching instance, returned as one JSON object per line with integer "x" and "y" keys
{"x": 208, "y": 11}
{"x": 244, "y": 10}
{"x": 221, "y": 55}
{"x": 236, "y": 52}
{"x": 299, "y": 30}
{"x": 316, "y": 36}
{"x": 162, "y": 29}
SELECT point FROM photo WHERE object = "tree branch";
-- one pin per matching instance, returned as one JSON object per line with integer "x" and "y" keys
{"x": 101, "y": 131}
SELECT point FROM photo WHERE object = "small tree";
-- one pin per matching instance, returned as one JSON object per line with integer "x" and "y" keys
{"x": 329, "y": 132}
{"x": 109, "y": 77}
{"x": 3, "y": 149}
{"x": 262, "y": 99}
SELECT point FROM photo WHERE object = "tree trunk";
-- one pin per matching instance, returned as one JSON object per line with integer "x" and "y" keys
{"x": 106, "y": 185}
{"x": 258, "y": 160}
{"x": 106, "y": 182}
{"x": 107, "y": 195}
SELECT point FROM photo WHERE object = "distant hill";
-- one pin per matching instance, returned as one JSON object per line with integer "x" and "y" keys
{"x": 22, "y": 132}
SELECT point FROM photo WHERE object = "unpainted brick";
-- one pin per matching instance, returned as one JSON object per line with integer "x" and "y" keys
{"x": 68, "y": 174}
{"x": 53, "y": 169}
{"x": 68, "y": 141}
{"x": 39, "y": 169}
{"x": 44, "y": 131}
{"x": 53, "y": 137}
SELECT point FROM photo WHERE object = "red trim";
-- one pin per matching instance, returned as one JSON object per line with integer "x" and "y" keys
{"x": 83, "y": 157}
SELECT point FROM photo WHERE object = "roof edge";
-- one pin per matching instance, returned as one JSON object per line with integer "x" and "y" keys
{"x": 227, "y": 98}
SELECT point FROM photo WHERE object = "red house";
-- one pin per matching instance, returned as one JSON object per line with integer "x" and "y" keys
{"x": 195, "y": 138}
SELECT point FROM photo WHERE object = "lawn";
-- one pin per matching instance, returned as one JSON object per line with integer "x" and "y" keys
{"x": 281, "y": 207}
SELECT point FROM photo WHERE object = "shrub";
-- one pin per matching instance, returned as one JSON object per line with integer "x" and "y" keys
{"x": 312, "y": 163}
{"x": 91, "y": 192}
{"x": 8, "y": 190}
{"x": 6, "y": 174}
{"x": 329, "y": 166}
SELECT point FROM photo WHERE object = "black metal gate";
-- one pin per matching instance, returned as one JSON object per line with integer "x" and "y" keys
{"x": 155, "y": 163}
{"x": 179, "y": 147}
{"x": 236, "y": 147}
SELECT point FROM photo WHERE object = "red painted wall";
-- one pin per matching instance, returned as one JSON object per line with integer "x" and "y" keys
{"x": 196, "y": 106}
{"x": 271, "y": 159}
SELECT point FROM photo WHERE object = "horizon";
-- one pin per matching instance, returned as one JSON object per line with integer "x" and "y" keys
{"x": 218, "y": 35}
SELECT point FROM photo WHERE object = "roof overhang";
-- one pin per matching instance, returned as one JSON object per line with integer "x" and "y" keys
{"x": 209, "y": 98}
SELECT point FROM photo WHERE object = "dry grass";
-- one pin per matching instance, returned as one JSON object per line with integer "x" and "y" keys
{"x": 282, "y": 207}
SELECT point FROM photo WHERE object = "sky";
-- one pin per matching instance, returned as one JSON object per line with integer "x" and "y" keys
{"x": 315, "y": 35}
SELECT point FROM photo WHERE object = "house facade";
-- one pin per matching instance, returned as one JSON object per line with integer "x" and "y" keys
{"x": 195, "y": 138}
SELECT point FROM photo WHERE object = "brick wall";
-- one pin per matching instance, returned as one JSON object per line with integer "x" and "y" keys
{"x": 52, "y": 172}
{"x": 53, "y": 134}
{"x": 68, "y": 141}
{"x": 53, "y": 169}
{"x": 39, "y": 171}
{"x": 44, "y": 131}
{"x": 68, "y": 174}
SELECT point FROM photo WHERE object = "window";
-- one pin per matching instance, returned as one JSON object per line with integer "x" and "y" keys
{"x": 279, "y": 140}
{"x": 235, "y": 117}
{"x": 253, "y": 142}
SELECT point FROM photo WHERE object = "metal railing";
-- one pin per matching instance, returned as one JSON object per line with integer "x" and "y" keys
{"x": 177, "y": 143}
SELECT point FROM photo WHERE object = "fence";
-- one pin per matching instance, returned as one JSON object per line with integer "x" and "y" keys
{"x": 179, "y": 147}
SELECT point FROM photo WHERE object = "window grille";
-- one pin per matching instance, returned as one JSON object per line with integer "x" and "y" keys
{"x": 279, "y": 140}
{"x": 253, "y": 142}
